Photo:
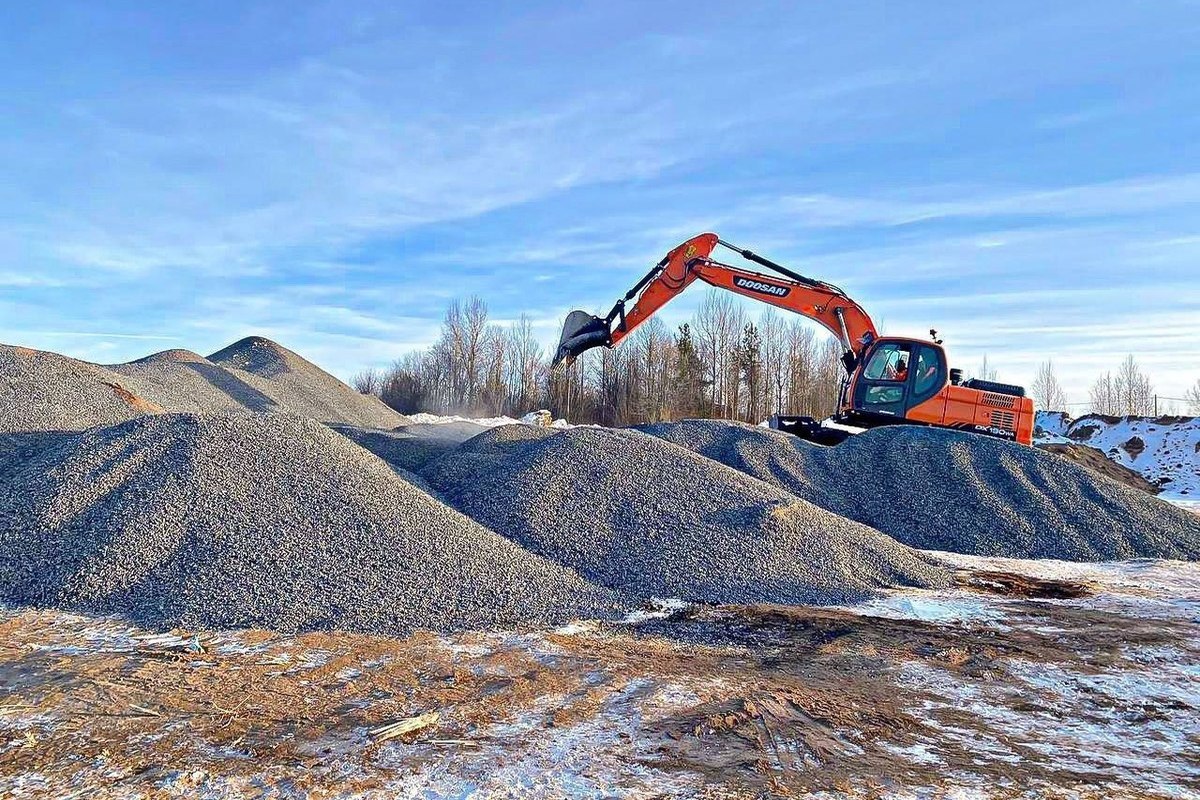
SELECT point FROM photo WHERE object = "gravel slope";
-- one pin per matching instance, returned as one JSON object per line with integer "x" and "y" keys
{"x": 46, "y": 391}
{"x": 943, "y": 490}
{"x": 263, "y": 520}
{"x": 630, "y": 511}
{"x": 411, "y": 446}
{"x": 258, "y": 375}
{"x": 1096, "y": 461}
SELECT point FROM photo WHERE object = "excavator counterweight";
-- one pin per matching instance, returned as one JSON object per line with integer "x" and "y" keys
{"x": 889, "y": 380}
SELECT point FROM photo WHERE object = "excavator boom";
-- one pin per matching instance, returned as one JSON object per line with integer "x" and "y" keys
{"x": 691, "y": 261}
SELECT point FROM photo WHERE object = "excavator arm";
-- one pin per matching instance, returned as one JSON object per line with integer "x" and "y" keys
{"x": 822, "y": 302}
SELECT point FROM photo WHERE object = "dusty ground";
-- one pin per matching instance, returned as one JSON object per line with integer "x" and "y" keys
{"x": 1032, "y": 679}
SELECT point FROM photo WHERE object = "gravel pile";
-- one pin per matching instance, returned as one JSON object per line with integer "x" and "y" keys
{"x": 256, "y": 375}
{"x": 410, "y": 447}
{"x": 944, "y": 490}
{"x": 636, "y": 513}
{"x": 46, "y": 391}
{"x": 265, "y": 520}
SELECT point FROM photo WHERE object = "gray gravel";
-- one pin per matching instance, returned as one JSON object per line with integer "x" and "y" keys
{"x": 411, "y": 446}
{"x": 263, "y": 520}
{"x": 944, "y": 490}
{"x": 47, "y": 391}
{"x": 630, "y": 511}
{"x": 257, "y": 375}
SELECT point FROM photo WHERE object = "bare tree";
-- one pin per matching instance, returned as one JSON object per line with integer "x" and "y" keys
{"x": 1047, "y": 391}
{"x": 1135, "y": 394}
{"x": 367, "y": 381}
{"x": 1102, "y": 396}
{"x": 1192, "y": 396}
{"x": 1129, "y": 392}
{"x": 986, "y": 372}
{"x": 525, "y": 365}
{"x": 719, "y": 322}
{"x": 773, "y": 335}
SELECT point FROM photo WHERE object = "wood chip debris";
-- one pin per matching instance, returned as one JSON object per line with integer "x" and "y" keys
{"x": 407, "y": 725}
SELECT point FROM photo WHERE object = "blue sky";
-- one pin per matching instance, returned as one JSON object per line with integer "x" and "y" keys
{"x": 1023, "y": 176}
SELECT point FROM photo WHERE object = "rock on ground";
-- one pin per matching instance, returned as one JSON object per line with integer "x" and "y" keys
{"x": 944, "y": 490}
{"x": 632, "y": 512}
{"x": 259, "y": 521}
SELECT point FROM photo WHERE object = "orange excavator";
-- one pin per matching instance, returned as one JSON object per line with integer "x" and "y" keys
{"x": 889, "y": 379}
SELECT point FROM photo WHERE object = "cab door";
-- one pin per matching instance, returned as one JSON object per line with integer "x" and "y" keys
{"x": 883, "y": 386}
{"x": 930, "y": 376}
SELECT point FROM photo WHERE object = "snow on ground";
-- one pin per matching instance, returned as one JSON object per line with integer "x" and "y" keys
{"x": 540, "y": 418}
{"x": 1165, "y": 450}
{"x": 1147, "y": 588}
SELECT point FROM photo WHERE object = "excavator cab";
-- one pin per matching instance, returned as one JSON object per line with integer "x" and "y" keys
{"x": 897, "y": 377}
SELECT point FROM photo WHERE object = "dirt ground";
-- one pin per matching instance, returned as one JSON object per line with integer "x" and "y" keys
{"x": 1031, "y": 679}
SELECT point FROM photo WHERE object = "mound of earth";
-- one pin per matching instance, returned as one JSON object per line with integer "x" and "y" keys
{"x": 1163, "y": 450}
{"x": 46, "y": 391}
{"x": 257, "y": 375}
{"x": 635, "y": 513}
{"x": 1097, "y": 462}
{"x": 262, "y": 521}
{"x": 943, "y": 490}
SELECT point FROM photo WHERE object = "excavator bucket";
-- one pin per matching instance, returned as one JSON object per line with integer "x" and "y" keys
{"x": 581, "y": 332}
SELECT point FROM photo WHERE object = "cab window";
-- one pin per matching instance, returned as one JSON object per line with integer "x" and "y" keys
{"x": 889, "y": 362}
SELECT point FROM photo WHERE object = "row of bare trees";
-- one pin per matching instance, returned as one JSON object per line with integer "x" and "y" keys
{"x": 721, "y": 364}
{"x": 1128, "y": 392}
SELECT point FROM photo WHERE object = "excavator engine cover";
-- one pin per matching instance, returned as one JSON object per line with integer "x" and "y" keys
{"x": 581, "y": 332}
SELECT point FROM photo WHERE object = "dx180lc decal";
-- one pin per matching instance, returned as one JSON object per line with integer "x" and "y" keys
{"x": 761, "y": 287}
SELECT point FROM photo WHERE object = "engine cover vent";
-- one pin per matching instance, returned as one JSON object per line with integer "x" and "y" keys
{"x": 1004, "y": 419}
{"x": 999, "y": 400}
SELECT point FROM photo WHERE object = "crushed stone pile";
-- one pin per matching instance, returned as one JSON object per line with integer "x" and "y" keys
{"x": 46, "y": 391}
{"x": 409, "y": 447}
{"x": 632, "y": 512}
{"x": 1096, "y": 461}
{"x": 261, "y": 521}
{"x": 257, "y": 375}
{"x": 944, "y": 490}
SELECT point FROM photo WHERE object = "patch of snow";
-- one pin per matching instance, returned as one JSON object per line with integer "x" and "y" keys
{"x": 932, "y": 606}
{"x": 1051, "y": 425}
{"x": 1165, "y": 450}
{"x": 540, "y": 418}
{"x": 1187, "y": 505}
{"x": 657, "y": 608}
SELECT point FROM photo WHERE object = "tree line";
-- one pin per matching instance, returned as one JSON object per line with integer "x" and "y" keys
{"x": 1127, "y": 392}
{"x": 722, "y": 364}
